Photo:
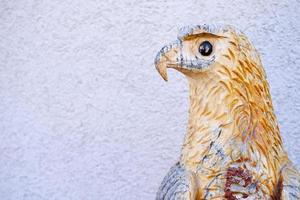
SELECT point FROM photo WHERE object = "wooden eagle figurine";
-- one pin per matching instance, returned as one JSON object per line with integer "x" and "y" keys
{"x": 233, "y": 148}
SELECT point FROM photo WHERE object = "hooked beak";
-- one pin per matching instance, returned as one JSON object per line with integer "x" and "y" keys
{"x": 167, "y": 57}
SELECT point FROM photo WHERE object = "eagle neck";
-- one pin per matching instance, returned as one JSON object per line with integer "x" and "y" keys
{"x": 209, "y": 123}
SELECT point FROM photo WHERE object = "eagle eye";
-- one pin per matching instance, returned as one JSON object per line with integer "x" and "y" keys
{"x": 205, "y": 48}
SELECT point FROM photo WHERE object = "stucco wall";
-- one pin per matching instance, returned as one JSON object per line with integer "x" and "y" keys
{"x": 84, "y": 114}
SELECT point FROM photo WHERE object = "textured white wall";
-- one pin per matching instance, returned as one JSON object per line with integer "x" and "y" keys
{"x": 84, "y": 114}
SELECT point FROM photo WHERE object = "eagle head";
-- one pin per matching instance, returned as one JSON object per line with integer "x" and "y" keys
{"x": 206, "y": 48}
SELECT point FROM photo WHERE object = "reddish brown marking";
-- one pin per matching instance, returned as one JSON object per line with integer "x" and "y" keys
{"x": 235, "y": 175}
{"x": 278, "y": 189}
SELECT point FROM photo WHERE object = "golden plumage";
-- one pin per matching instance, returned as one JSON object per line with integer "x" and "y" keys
{"x": 232, "y": 149}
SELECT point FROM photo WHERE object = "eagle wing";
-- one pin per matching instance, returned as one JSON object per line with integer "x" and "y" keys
{"x": 290, "y": 182}
{"x": 178, "y": 184}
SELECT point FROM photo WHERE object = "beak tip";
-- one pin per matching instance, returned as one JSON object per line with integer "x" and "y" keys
{"x": 165, "y": 78}
{"x": 162, "y": 70}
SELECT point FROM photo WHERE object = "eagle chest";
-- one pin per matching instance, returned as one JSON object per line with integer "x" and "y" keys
{"x": 236, "y": 183}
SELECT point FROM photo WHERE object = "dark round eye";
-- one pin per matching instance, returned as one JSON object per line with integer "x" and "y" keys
{"x": 205, "y": 48}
